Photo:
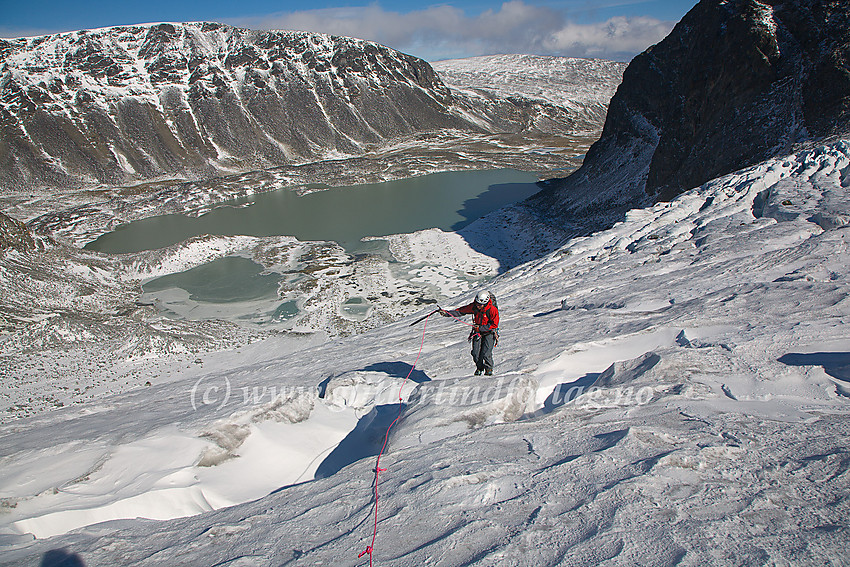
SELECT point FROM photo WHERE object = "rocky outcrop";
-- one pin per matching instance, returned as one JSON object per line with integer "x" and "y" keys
{"x": 735, "y": 82}
{"x": 15, "y": 235}
{"x": 130, "y": 103}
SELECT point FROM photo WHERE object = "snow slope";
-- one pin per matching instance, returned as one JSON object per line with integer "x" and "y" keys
{"x": 543, "y": 93}
{"x": 673, "y": 390}
{"x": 561, "y": 81}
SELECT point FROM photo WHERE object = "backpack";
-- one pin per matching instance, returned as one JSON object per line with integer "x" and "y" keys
{"x": 493, "y": 299}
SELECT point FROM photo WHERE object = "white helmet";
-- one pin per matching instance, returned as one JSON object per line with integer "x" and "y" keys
{"x": 483, "y": 297}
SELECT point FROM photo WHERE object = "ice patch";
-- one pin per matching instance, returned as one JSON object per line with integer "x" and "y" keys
{"x": 363, "y": 390}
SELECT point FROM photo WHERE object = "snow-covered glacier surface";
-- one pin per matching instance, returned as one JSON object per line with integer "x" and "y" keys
{"x": 672, "y": 390}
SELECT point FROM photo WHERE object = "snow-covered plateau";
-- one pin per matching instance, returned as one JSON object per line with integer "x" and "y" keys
{"x": 583, "y": 85}
{"x": 671, "y": 390}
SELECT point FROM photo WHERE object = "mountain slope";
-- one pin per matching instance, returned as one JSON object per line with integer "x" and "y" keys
{"x": 135, "y": 102}
{"x": 735, "y": 82}
{"x": 671, "y": 390}
{"x": 126, "y": 104}
{"x": 550, "y": 91}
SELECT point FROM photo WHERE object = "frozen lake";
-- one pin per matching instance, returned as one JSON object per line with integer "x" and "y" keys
{"x": 238, "y": 289}
{"x": 448, "y": 201}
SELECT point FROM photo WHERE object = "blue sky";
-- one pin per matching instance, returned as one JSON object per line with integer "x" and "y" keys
{"x": 615, "y": 29}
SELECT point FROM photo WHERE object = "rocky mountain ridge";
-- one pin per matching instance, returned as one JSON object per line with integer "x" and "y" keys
{"x": 136, "y": 102}
{"x": 121, "y": 105}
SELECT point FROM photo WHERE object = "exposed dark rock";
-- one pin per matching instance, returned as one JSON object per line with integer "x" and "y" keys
{"x": 15, "y": 234}
{"x": 736, "y": 82}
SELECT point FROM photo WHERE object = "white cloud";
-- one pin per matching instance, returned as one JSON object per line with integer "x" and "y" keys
{"x": 441, "y": 32}
{"x": 616, "y": 35}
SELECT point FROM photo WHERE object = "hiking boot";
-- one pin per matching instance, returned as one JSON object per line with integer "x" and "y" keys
{"x": 488, "y": 372}
{"x": 478, "y": 372}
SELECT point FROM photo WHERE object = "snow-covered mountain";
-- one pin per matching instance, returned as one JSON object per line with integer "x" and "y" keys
{"x": 671, "y": 389}
{"x": 560, "y": 81}
{"x": 124, "y": 104}
{"x": 734, "y": 83}
{"x": 127, "y": 103}
{"x": 551, "y": 91}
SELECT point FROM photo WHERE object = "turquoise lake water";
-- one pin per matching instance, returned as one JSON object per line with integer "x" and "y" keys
{"x": 448, "y": 201}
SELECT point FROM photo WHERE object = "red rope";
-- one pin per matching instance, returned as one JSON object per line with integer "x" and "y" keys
{"x": 378, "y": 469}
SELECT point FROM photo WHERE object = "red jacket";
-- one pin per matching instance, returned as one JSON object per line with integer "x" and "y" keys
{"x": 487, "y": 317}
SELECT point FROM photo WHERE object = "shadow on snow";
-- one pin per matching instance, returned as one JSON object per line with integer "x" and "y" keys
{"x": 367, "y": 437}
{"x": 61, "y": 558}
{"x": 399, "y": 370}
{"x": 836, "y": 364}
{"x": 568, "y": 391}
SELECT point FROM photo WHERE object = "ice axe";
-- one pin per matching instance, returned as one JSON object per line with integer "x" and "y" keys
{"x": 426, "y": 316}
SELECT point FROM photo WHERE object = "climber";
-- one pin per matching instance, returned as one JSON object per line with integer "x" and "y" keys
{"x": 485, "y": 329}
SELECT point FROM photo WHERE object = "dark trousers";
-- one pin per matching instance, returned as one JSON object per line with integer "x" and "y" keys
{"x": 482, "y": 350}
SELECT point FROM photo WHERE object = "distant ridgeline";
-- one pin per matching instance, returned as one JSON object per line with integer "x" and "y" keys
{"x": 735, "y": 82}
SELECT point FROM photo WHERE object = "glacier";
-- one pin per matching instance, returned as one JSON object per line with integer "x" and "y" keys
{"x": 702, "y": 347}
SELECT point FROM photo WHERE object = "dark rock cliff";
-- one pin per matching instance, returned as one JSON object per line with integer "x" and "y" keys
{"x": 735, "y": 82}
